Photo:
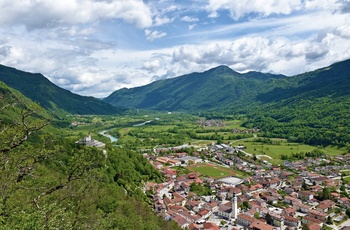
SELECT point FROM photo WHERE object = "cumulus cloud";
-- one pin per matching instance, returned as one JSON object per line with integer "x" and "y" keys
{"x": 152, "y": 35}
{"x": 189, "y": 19}
{"x": 238, "y": 9}
{"x": 343, "y": 31}
{"x": 152, "y": 66}
{"x": 46, "y": 13}
{"x": 162, "y": 20}
{"x": 262, "y": 54}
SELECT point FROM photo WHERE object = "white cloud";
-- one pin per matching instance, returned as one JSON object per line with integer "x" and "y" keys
{"x": 189, "y": 19}
{"x": 152, "y": 66}
{"x": 152, "y": 35}
{"x": 240, "y": 8}
{"x": 190, "y": 27}
{"x": 46, "y": 13}
{"x": 162, "y": 20}
{"x": 343, "y": 31}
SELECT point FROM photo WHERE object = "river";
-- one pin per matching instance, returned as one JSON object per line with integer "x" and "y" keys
{"x": 113, "y": 139}
{"x": 146, "y": 122}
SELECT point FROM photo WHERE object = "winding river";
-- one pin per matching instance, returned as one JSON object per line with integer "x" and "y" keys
{"x": 113, "y": 139}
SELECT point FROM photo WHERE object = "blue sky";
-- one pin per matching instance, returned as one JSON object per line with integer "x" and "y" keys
{"x": 94, "y": 47}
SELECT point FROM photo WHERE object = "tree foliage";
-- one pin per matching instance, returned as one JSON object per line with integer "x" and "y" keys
{"x": 49, "y": 182}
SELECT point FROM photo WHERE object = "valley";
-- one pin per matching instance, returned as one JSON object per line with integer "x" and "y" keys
{"x": 236, "y": 151}
{"x": 197, "y": 172}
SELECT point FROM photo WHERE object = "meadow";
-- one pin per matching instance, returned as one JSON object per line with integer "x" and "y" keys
{"x": 273, "y": 152}
{"x": 212, "y": 170}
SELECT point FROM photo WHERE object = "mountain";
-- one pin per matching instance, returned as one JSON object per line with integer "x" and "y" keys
{"x": 332, "y": 81}
{"x": 48, "y": 95}
{"x": 48, "y": 180}
{"x": 221, "y": 88}
{"x": 216, "y": 88}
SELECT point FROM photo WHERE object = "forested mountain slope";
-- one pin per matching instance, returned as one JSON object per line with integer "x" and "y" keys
{"x": 48, "y": 95}
{"x": 214, "y": 89}
{"x": 224, "y": 89}
{"x": 50, "y": 182}
{"x": 316, "y": 111}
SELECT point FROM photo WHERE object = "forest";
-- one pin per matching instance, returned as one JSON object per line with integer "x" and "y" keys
{"x": 50, "y": 182}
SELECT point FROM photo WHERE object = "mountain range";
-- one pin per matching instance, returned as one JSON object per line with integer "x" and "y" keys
{"x": 222, "y": 88}
{"x": 53, "y": 98}
{"x": 218, "y": 89}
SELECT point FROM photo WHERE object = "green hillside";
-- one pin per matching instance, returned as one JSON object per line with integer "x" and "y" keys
{"x": 224, "y": 89}
{"x": 217, "y": 88}
{"x": 49, "y": 182}
{"x": 315, "y": 111}
{"x": 48, "y": 95}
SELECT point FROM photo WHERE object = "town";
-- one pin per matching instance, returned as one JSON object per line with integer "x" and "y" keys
{"x": 307, "y": 193}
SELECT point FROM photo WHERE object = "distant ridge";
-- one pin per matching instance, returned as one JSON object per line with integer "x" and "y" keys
{"x": 222, "y": 88}
{"x": 215, "y": 88}
{"x": 48, "y": 95}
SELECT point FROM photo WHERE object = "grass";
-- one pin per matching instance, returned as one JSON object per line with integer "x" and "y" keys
{"x": 286, "y": 148}
{"x": 212, "y": 170}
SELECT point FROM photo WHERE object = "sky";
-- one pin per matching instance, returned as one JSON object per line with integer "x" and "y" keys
{"x": 94, "y": 47}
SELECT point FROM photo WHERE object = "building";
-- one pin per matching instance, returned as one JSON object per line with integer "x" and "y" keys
{"x": 88, "y": 141}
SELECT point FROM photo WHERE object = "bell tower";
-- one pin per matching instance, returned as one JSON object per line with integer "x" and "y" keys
{"x": 234, "y": 207}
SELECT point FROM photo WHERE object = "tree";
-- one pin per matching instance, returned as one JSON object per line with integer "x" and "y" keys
{"x": 329, "y": 220}
{"x": 246, "y": 205}
{"x": 347, "y": 212}
{"x": 257, "y": 215}
{"x": 325, "y": 194}
{"x": 268, "y": 219}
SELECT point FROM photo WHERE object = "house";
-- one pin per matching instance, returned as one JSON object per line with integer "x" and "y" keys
{"x": 310, "y": 220}
{"x": 272, "y": 199}
{"x": 174, "y": 162}
{"x": 162, "y": 160}
{"x": 194, "y": 226}
{"x": 291, "y": 211}
{"x": 205, "y": 213}
{"x": 245, "y": 220}
{"x": 314, "y": 226}
{"x": 277, "y": 219}
{"x": 259, "y": 225}
{"x": 342, "y": 200}
{"x": 291, "y": 200}
{"x": 169, "y": 173}
{"x": 210, "y": 226}
{"x": 317, "y": 215}
{"x": 179, "y": 155}
{"x": 276, "y": 170}
{"x": 181, "y": 221}
{"x": 305, "y": 195}
{"x": 274, "y": 182}
{"x": 302, "y": 207}
{"x": 325, "y": 206}
{"x": 291, "y": 221}
{"x": 319, "y": 180}
{"x": 158, "y": 165}
{"x": 192, "y": 205}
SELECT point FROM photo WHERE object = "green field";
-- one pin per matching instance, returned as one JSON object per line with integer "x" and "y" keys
{"x": 274, "y": 151}
{"x": 211, "y": 170}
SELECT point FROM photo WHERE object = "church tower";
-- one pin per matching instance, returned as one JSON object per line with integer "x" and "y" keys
{"x": 234, "y": 207}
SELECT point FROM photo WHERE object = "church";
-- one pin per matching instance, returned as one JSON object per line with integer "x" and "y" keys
{"x": 88, "y": 141}
{"x": 229, "y": 210}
